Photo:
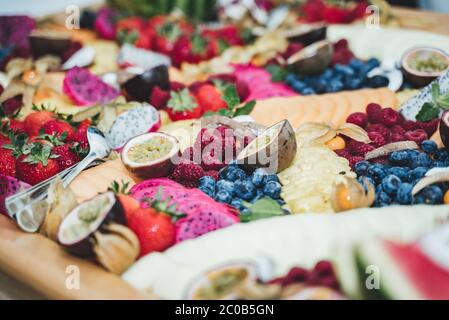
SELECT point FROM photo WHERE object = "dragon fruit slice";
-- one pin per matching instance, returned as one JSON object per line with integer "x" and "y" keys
{"x": 8, "y": 187}
{"x": 86, "y": 89}
{"x": 105, "y": 23}
{"x": 132, "y": 123}
{"x": 160, "y": 182}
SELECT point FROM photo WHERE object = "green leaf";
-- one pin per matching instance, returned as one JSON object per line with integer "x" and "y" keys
{"x": 225, "y": 112}
{"x": 262, "y": 209}
{"x": 428, "y": 112}
{"x": 435, "y": 91}
{"x": 246, "y": 109}
{"x": 278, "y": 74}
{"x": 443, "y": 101}
{"x": 231, "y": 97}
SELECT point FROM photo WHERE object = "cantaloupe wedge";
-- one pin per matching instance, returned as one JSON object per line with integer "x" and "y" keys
{"x": 332, "y": 108}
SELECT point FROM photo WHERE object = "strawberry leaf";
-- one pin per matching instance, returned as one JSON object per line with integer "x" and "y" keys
{"x": 246, "y": 109}
{"x": 231, "y": 97}
{"x": 428, "y": 112}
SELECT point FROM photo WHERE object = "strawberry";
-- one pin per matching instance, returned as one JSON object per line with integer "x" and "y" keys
{"x": 38, "y": 165}
{"x": 35, "y": 121}
{"x": 154, "y": 227}
{"x": 17, "y": 126}
{"x": 335, "y": 14}
{"x": 7, "y": 162}
{"x": 59, "y": 127}
{"x": 183, "y": 105}
{"x": 84, "y": 125}
{"x": 313, "y": 10}
{"x": 3, "y": 140}
{"x": 66, "y": 156}
{"x": 166, "y": 36}
{"x": 80, "y": 137}
{"x": 210, "y": 98}
{"x": 128, "y": 203}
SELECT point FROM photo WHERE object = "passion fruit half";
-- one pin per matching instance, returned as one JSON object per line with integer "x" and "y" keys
{"x": 421, "y": 66}
{"x": 306, "y": 34}
{"x": 77, "y": 230}
{"x": 274, "y": 149}
{"x": 313, "y": 59}
{"x": 52, "y": 42}
{"x": 151, "y": 155}
{"x": 444, "y": 129}
{"x": 140, "y": 87}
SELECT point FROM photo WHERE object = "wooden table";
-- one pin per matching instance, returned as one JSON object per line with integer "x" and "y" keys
{"x": 406, "y": 18}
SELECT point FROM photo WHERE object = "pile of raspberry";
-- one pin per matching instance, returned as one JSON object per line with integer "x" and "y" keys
{"x": 203, "y": 159}
{"x": 384, "y": 125}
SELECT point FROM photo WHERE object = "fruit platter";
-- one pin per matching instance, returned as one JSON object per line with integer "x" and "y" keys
{"x": 263, "y": 150}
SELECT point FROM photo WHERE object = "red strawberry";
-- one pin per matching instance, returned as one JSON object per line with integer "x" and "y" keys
{"x": 334, "y": 14}
{"x": 154, "y": 229}
{"x": 80, "y": 137}
{"x": 378, "y": 140}
{"x": 35, "y": 121}
{"x": 7, "y": 162}
{"x": 17, "y": 126}
{"x": 166, "y": 36}
{"x": 313, "y": 10}
{"x": 183, "y": 105}
{"x": 389, "y": 117}
{"x": 188, "y": 172}
{"x": 84, "y": 125}
{"x": 210, "y": 98}
{"x": 159, "y": 98}
{"x": 430, "y": 127}
{"x": 37, "y": 166}
{"x": 358, "y": 118}
{"x": 128, "y": 203}
{"x": 419, "y": 135}
{"x": 359, "y": 148}
{"x": 59, "y": 127}
{"x": 67, "y": 156}
{"x": 242, "y": 89}
{"x": 3, "y": 140}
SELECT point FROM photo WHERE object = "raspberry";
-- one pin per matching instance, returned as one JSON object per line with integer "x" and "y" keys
{"x": 381, "y": 160}
{"x": 359, "y": 148}
{"x": 187, "y": 154}
{"x": 410, "y": 125}
{"x": 190, "y": 184}
{"x": 430, "y": 127}
{"x": 358, "y": 118}
{"x": 377, "y": 138}
{"x": 188, "y": 172}
{"x": 397, "y": 129}
{"x": 209, "y": 162}
{"x": 373, "y": 111}
{"x": 397, "y": 137}
{"x": 344, "y": 153}
{"x": 214, "y": 174}
{"x": 418, "y": 136}
{"x": 380, "y": 128}
{"x": 389, "y": 117}
{"x": 354, "y": 160}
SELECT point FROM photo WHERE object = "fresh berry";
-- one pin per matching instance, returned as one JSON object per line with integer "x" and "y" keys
{"x": 399, "y": 172}
{"x": 354, "y": 160}
{"x": 226, "y": 186}
{"x": 7, "y": 162}
{"x": 38, "y": 165}
{"x": 390, "y": 184}
{"x": 128, "y": 203}
{"x": 189, "y": 184}
{"x": 183, "y": 105}
{"x": 80, "y": 137}
{"x": 410, "y": 125}
{"x": 381, "y": 160}
{"x": 223, "y": 196}
{"x": 17, "y": 126}
{"x": 66, "y": 156}
{"x": 430, "y": 195}
{"x": 397, "y": 137}
{"x": 380, "y": 128}
{"x": 272, "y": 189}
{"x": 397, "y": 129}
{"x": 430, "y": 127}
{"x": 377, "y": 172}
{"x": 401, "y": 158}
{"x": 378, "y": 140}
{"x": 441, "y": 154}
{"x": 59, "y": 127}
{"x": 360, "y": 119}
{"x": 383, "y": 199}
{"x": 159, "y": 98}
{"x": 359, "y": 148}
{"x": 373, "y": 111}
{"x": 417, "y": 136}
{"x": 213, "y": 174}
{"x": 404, "y": 194}
{"x": 344, "y": 153}
{"x": 389, "y": 117}
{"x": 188, "y": 172}
{"x": 416, "y": 174}
{"x": 35, "y": 121}
{"x": 429, "y": 146}
{"x": 210, "y": 98}
{"x": 236, "y": 174}
{"x": 421, "y": 160}
{"x": 361, "y": 168}
{"x": 259, "y": 177}
{"x": 210, "y": 162}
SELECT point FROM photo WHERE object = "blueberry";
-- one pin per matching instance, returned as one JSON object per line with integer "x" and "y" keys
{"x": 245, "y": 190}
{"x": 364, "y": 180}
{"x": 236, "y": 174}
{"x": 224, "y": 185}
{"x": 307, "y": 91}
{"x": 273, "y": 189}
{"x": 439, "y": 164}
{"x": 335, "y": 85}
{"x": 404, "y": 194}
{"x": 382, "y": 200}
{"x": 245, "y": 212}
{"x": 320, "y": 86}
{"x": 299, "y": 86}
{"x": 238, "y": 203}
{"x": 399, "y": 172}
{"x": 353, "y": 83}
{"x": 378, "y": 82}
{"x": 272, "y": 177}
{"x": 379, "y": 188}
{"x": 431, "y": 195}
{"x": 416, "y": 174}
{"x": 223, "y": 196}
{"x": 361, "y": 168}
{"x": 208, "y": 190}
{"x": 376, "y": 172}
{"x": 400, "y": 158}
{"x": 429, "y": 146}
{"x": 207, "y": 181}
{"x": 441, "y": 154}
{"x": 344, "y": 70}
{"x": 421, "y": 160}
{"x": 258, "y": 177}
{"x": 291, "y": 78}
{"x": 390, "y": 184}
{"x": 373, "y": 63}
{"x": 356, "y": 64}
{"x": 327, "y": 74}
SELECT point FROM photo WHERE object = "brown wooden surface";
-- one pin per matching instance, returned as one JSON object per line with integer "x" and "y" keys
{"x": 95, "y": 282}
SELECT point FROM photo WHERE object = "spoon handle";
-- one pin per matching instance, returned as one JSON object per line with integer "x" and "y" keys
{"x": 81, "y": 166}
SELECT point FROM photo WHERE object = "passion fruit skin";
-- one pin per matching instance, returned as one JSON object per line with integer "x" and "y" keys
{"x": 84, "y": 247}
{"x": 316, "y": 63}
{"x": 444, "y": 129}
{"x": 311, "y": 36}
{"x": 140, "y": 87}
{"x": 42, "y": 45}
{"x": 155, "y": 170}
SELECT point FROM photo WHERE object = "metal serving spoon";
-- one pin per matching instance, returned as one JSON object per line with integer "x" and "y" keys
{"x": 28, "y": 207}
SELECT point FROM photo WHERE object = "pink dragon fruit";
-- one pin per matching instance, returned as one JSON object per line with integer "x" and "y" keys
{"x": 86, "y": 89}
{"x": 132, "y": 123}
{"x": 8, "y": 187}
{"x": 204, "y": 214}
{"x": 105, "y": 23}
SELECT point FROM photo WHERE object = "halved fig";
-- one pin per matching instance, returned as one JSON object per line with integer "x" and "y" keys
{"x": 151, "y": 155}
{"x": 307, "y": 34}
{"x": 140, "y": 87}
{"x": 313, "y": 59}
{"x": 222, "y": 283}
{"x": 77, "y": 230}
{"x": 52, "y": 42}
{"x": 423, "y": 65}
{"x": 274, "y": 149}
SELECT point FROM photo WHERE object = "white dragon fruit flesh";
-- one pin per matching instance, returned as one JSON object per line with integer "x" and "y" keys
{"x": 8, "y": 187}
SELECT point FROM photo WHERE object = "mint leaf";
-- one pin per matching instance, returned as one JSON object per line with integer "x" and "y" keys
{"x": 231, "y": 97}
{"x": 225, "y": 112}
{"x": 435, "y": 91}
{"x": 278, "y": 74}
{"x": 428, "y": 112}
{"x": 262, "y": 209}
{"x": 246, "y": 109}
{"x": 443, "y": 101}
